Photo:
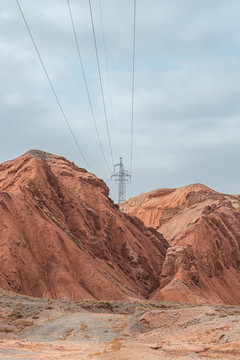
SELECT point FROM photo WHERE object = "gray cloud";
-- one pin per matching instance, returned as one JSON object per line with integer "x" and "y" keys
{"x": 187, "y": 109}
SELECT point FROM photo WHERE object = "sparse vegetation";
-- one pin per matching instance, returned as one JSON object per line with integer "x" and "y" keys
{"x": 6, "y": 329}
{"x": 211, "y": 314}
{"x": 35, "y": 316}
{"x": 116, "y": 344}
{"x": 15, "y": 314}
{"x": 119, "y": 323}
{"x": 67, "y": 335}
{"x": 234, "y": 312}
{"x": 22, "y": 323}
{"x": 228, "y": 311}
{"x": 120, "y": 326}
{"x": 20, "y": 306}
{"x": 83, "y": 327}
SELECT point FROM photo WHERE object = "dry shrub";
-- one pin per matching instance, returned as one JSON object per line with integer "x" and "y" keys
{"x": 6, "y": 329}
{"x": 116, "y": 344}
{"x": 35, "y": 317}
{"x": 15, "y": 314}
{"x": 20, "y": 306}
{"x": 22, "y": 323}
{"x": 83, "y": 327}
{"x": 68, "y": 333}
{"x": 120, "y": 326}
{"x": 211, "y": 314}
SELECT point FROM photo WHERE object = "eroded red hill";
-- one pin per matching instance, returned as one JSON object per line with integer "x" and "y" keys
{"x": 61, "y": 235}
{"x": 203, "y": 230}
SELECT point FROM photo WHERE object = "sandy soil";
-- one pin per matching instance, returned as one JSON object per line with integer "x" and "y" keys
{"x": 32, "y": 328}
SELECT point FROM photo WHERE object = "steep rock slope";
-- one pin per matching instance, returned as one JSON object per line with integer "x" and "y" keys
{"x": 203, "y": 230}
{"x": 61, "y": 235}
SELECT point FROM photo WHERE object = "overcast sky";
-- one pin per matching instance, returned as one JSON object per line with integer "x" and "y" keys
{"x": 187, "y": 99}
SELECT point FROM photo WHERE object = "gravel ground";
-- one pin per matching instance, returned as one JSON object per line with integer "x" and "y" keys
{"x": 32, "y": 328}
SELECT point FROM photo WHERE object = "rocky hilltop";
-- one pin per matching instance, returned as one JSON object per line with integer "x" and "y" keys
{"x": 62, "y": 237}
{"x": 202, "y": 227}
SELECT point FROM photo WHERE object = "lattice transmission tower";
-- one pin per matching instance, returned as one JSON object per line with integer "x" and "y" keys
{"x": 121, "y": 177}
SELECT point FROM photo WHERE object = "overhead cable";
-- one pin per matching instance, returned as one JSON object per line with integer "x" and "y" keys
{"x": 108, "y": 78}
{"x": 85, "y": 82}
{"x": 133, "y": 81}
{"x": 100, "y": 79}
{"x": 51, "y": 85}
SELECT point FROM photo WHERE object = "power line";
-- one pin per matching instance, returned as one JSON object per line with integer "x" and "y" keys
{"x": 51, "y": 85}
{"x": 108, "y": 78}
{"x": 133, "y": 79}
{"x": 100, "y": 79}
{"x": 85, "y": 82}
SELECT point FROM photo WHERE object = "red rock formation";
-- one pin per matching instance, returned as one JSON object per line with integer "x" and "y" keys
{"x": 149, "y": 206}
{"x": 203, "y": 229}
{"x": 61, "y": 235}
